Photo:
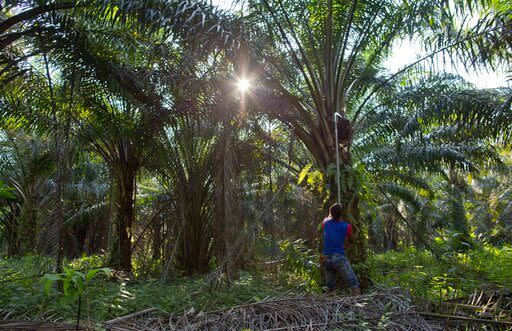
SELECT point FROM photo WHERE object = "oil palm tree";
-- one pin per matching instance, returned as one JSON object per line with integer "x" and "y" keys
{"x": 26, "y": 166}
{"x": 333, "y": 52}
{"x": 27, "y": 221}
{"x": 126, "y": 48}
{"x": 196, "y": 163}
{"x": 420, "y": 146}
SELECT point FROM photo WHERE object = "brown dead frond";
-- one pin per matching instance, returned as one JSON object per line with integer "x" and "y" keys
{"x": 383, "y": 309}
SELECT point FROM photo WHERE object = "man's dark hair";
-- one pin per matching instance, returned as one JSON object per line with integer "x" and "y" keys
{"x": 335, "y": 211}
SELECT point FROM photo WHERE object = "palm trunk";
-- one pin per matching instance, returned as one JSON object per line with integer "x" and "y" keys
{"x": 195, "y": 243}
{"x": 391, "y": 232}
{"x": 121, "y": 252}
{"x": 349, "y": 200}
{"x": 13, "y": 247}
{"x": 459, "y": 221}
{"x": 225, "y": 208}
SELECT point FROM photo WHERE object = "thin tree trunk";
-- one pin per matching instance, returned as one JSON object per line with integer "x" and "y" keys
{"x": 78, "y": 313}
{"x": 58, "y": 253}
{"x": 60, "y": 163}
{"x": 269, "y": 217}
{"x": 157, "y": 238}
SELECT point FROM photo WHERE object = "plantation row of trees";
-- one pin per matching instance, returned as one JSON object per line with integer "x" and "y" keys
{"x": 123, "y": 130}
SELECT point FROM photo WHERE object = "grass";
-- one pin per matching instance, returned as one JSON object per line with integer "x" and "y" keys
{"x": 22, "y": 292}
{"x": 455, "y": 275}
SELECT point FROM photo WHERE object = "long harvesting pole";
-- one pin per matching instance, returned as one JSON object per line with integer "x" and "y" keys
{"x": 336, "y": 115}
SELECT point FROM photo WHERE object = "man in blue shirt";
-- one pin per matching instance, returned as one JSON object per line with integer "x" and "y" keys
{"x": 336, "y": 231}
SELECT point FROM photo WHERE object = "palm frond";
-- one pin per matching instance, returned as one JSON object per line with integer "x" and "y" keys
{"x": 402, "y": 193}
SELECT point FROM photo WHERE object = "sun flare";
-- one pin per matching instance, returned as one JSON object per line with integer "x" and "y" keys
{"x": 243, "y": 84}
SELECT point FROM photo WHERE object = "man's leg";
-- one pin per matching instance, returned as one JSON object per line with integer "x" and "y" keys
{"x": 330, "y": 279}
{"x": 349, "y": 276}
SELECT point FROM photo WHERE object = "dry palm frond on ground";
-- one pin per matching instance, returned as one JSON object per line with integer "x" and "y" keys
{"x": 383, "y": 309}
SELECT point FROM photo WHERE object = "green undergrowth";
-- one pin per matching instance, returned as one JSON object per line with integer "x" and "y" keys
{"x": 453, "y": 276}
{"x": 22, "y": 293}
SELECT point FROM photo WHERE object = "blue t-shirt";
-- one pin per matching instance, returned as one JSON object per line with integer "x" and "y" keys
{"x": 335, "y": 233}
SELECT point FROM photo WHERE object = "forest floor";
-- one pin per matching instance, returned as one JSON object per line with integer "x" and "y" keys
{"x": 472, "y": 285}
{"x": 381, "y": 309}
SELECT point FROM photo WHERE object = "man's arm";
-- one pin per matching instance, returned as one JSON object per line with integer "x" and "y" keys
{"x": 324, "y": 221}
{"x": 348, "y": 237}
{"x": 349, "y": 230}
